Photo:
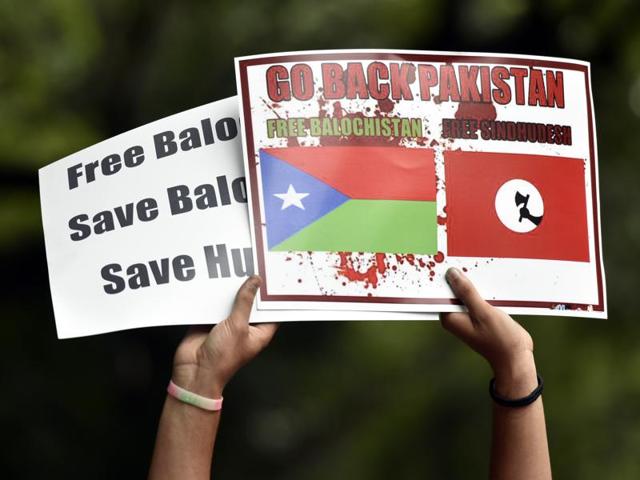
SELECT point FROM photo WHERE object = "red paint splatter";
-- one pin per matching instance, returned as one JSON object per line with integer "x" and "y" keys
{"x": 442, "y": 219}
{"x": 337, "y": 110}
{"x": 348, "y": 268}
{"x": 465, "y": 269}
{"x": 386, "y": 105}
{"x": 409, "y": 258}
{"x": 438, "y": 257}
{"x": 476, "y": 111}
{"x": 381, "y": 260}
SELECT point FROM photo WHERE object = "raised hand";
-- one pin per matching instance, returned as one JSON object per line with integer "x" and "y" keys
{"x": 493, "y": 334}
{"x": 206, "y": 360}
{"x": 519, "y": 446}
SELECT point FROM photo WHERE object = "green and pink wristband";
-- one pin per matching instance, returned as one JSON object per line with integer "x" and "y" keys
{"x": 210, "y": 404}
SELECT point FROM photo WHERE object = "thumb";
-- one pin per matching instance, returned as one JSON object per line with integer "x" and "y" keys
{"x": 467, "y": 294}
{"x": 243, "y": 303}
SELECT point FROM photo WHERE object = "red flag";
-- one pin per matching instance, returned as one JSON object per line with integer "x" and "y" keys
{"x": 385, "y": 173}
{"x": 491, "y": 203}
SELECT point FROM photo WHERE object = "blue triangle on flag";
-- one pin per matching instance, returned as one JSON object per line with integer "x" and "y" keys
{"x": 278, "y": 178}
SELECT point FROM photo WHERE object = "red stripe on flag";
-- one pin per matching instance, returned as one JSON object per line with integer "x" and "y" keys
{"x": 472, "y": 180}
{"x": 368, "y": 173}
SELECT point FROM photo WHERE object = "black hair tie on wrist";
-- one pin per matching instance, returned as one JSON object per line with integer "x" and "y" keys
{"x": 518, "y": 402}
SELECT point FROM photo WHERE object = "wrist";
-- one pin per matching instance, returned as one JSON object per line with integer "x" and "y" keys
{"x": 516, "y": 377}
{"x": 198, "y": 380}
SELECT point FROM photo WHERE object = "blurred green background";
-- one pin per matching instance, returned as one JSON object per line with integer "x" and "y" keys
{"x": 326, "y": 400}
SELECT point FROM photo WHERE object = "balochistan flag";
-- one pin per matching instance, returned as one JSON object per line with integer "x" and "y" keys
{"x": 355, "y": 199}
{"x": 506, "y": 205}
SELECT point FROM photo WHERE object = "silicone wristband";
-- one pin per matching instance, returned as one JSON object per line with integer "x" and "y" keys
{"x": 210, "y": 404}
{"x": 518, "y": 402}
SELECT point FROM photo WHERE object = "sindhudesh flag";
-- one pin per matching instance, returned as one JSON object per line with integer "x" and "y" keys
{"x": 506, "y": 205}
{"x": 355, "y": 199}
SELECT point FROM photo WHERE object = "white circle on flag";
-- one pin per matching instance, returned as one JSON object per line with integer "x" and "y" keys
{"x": 519, "y": 205}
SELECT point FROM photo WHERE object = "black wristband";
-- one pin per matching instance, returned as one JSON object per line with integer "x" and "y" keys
{"x": 518, "y": 402}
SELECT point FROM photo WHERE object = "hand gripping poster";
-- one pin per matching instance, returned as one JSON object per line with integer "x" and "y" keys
{"x": 373, "y": 172}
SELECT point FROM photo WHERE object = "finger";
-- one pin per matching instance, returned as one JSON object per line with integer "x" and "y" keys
{"x": 265, "y": 332}
{"x": 459, "y": 324}
{"x": 243, "y": 302}
{"x": 467, "y": 293}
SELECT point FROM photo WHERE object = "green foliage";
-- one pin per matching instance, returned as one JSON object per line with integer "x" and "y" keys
{"x": 327, "y": 400}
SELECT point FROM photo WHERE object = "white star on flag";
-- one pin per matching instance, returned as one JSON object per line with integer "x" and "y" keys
{"x": 291, "y": 197}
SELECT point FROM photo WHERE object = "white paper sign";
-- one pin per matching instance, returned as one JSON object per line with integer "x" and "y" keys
{"x": 150, "y": 228}
{"x": 372, "y": 172}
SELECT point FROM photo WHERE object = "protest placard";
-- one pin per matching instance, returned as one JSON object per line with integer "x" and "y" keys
{"x": 372, "y": 172}
{"x": 150, "y": 228}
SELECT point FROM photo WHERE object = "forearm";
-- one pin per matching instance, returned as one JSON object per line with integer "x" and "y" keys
{"x": 203, "y": 364}
{"x": 519, "y": 447}
{"x": 186, "y": 436}
{"x": 184, "y": 445}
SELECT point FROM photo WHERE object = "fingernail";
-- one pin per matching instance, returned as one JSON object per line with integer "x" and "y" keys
{"x": 453, "y": 275}
{"x": 254, "y": 281}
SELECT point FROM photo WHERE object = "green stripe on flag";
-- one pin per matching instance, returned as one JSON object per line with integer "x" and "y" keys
{"x": 391, "y": 226}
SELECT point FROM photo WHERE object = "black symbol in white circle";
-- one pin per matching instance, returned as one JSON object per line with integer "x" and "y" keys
{"x": 525, "y": 214}
{"x": 519, "y": 206}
